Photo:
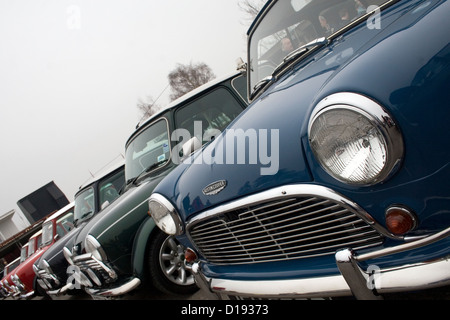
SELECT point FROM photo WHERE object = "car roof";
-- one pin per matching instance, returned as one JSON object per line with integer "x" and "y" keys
{"x": 183, "y": 99}
{"x": 60, "y": 212}
{"x": 103, "y": 173}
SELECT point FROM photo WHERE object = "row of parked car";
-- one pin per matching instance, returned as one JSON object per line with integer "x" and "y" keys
{"x": 333, "y": 181}
{"x": 112, "y": 245}
{"x": 18, "y": 276}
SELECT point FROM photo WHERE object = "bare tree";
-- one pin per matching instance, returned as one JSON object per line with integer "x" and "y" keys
{"x": 148, "y": 107}
{"x": 185, "y": 78}
{"x": 251, "y": 7}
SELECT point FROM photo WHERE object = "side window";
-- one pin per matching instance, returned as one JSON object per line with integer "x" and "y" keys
{"x": 110, "y": 187}
{"x": 64, "y": 224}
{"x": 39, "y": 242}
{"x": 240, "y": 85}
{"x": 210, "y": 113}
{"x": 149, "y": 148}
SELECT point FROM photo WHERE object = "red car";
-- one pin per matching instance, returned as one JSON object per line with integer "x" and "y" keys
{"x": 26, "y": 251}
{"x": 5, "y": 289}
{"x": 53, "y": 228}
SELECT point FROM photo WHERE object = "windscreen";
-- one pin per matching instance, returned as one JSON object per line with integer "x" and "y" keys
{"x": 287, "y": 25}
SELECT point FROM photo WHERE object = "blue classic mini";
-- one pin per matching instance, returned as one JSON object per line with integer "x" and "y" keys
{"x": 335, "y": 181}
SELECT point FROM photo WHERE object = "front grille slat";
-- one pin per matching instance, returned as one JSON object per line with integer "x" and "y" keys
{"x": 302, "y": 254}
{"x": 260, "y": 239}
{"x": 292, "y": 238}
{"x": 212, "y": 234}
{"x": 292, "y": 228}
{"x": 220, "y": 242}
{"x": 293, "y": 244}
{"x": 245, "y": 221}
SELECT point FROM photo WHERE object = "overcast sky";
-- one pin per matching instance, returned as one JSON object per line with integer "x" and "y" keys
{"x": 72, "y": 72}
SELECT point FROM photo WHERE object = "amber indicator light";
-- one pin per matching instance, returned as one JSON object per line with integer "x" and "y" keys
{"x": 400, "y": 220}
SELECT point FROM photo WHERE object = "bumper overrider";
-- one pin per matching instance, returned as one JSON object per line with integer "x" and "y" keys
{"x": 47, "y": 279}
{"x": 355, "y": 277}
{"x": 19, "y": 288}
{"x": 94, "y": 274}
{"x": 10, "y": 289}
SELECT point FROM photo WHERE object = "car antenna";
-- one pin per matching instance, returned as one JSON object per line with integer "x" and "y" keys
{"x": 146, "y": 113}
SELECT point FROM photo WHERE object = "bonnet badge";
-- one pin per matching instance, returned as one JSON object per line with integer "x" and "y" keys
{"x": 214, "y": 188}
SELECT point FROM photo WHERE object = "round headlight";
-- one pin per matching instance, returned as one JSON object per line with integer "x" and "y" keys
{"x": 354, "y": 139}
{"x": 93, "y": 247}
{"x": 164, "y": 215}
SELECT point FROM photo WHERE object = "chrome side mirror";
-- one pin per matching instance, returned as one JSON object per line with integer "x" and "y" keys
{"x": 190, "y": 146}
{"x": 104, "y": 204}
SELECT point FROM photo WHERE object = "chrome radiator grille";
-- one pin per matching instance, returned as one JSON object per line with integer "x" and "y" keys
{"x": 282, "y": 229}
{"x": 94, "y": 269}
{"x": 85, "y": 262}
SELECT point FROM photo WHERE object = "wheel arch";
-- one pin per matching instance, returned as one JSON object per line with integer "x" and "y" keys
{"x": 147, "y": 230}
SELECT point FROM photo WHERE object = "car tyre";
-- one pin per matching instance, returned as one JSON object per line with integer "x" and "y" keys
{"x": 169, "y": 272}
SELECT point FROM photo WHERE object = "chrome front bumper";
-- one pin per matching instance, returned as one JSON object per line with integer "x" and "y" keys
{"x": 96, "y": 277}
{"x": 353, "y": 280}
{"x": 128, "y": 286}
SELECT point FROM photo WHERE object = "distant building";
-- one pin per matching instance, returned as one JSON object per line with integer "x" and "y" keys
{"x": 11, "y": 223}
{"x": 14, "y": 232}
{"x": 16, "y": 227}
{"x": 42, "y": 202}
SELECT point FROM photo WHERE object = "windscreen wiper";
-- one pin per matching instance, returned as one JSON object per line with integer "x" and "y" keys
{"x": 150, "y": 168}
{"x": 83, "y": 216}
{"x": 260, "y": 85}
{"x": 297, "y": 53}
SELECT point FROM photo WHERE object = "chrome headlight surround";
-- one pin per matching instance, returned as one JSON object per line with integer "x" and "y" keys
{"x": 93, "y": 247}
{"x": 354, "y": 139}
{"x": 165, "y": 215}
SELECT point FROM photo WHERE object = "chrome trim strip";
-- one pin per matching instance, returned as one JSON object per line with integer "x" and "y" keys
{"x": 118, "y": 220}
{"x": 243, "y": 74}
{"x": 405, "y": 247}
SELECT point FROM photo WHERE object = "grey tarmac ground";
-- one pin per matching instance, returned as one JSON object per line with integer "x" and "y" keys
{"x": 141, "y": 294}
{"x": 442, "y": 293}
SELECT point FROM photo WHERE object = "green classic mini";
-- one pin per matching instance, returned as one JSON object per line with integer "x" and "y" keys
{"x": 120, "y": 248}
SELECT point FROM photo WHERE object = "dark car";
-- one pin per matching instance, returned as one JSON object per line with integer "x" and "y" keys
{"x": 94, "y": 195}
{"x": 120, "y": 248}
{"x": 344, "y": 185}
